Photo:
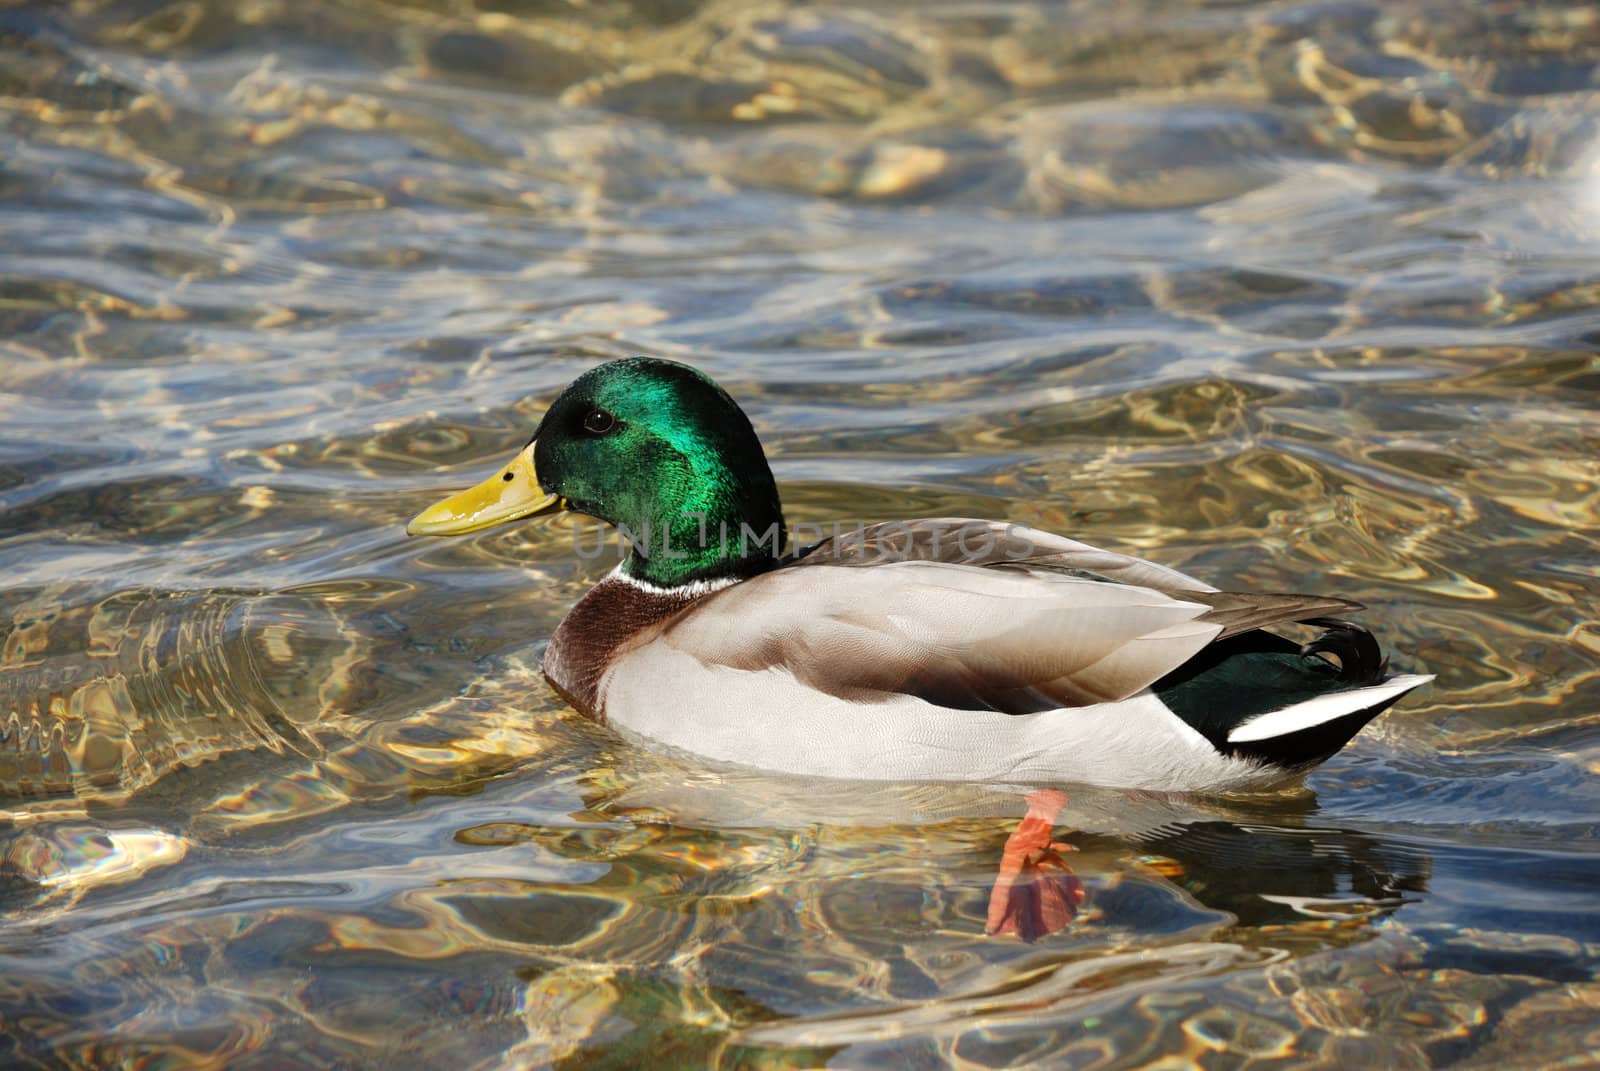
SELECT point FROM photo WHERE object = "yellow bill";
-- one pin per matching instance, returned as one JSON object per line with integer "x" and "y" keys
{"x": 508, "y": 495}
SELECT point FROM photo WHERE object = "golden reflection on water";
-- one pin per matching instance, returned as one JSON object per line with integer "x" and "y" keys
{"x": 1291, "y": 296}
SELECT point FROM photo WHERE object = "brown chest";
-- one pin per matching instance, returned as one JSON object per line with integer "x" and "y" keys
{"x": 613, "y": 615}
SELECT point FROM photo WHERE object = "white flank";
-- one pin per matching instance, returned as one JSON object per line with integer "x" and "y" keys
{"x": 770, "y": 721}
{"x": 1323, "y": 708}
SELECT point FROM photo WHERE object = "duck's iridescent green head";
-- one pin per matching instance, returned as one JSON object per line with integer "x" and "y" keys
{"x": 654, "y": 447}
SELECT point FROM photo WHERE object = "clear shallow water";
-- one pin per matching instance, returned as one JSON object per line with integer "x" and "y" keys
{"x": 1295, "y": 296}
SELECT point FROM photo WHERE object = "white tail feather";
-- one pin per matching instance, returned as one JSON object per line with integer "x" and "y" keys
{"x": 1323, "y": 708}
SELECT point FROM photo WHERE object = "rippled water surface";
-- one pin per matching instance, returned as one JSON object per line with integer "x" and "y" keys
{"x": 1296, "y": 296}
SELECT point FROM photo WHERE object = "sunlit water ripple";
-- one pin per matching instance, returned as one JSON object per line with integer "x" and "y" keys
{"x": 1296, "y": 296}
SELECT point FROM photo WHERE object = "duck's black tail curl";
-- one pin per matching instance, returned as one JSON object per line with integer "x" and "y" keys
{"x": 1255, "y": 674}
{"x": 1360, "y": 658}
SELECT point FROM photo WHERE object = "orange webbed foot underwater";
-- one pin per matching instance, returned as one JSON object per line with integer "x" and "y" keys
{"x": 1036, "y": 892}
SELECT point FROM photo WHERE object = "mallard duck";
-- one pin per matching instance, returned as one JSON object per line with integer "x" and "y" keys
{"x": 945, "y": 649}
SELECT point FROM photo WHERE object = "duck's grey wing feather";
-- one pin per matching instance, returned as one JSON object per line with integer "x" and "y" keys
{"x": 996, "y": 639}
{"x": 1246, "y": 611}
{"x": 995, "y": 544}
{"x": 967, "y": 541}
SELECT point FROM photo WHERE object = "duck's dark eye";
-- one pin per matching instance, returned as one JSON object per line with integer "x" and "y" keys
{"x": 598, "y": 422}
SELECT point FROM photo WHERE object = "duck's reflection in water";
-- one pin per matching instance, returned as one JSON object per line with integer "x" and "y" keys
{"x": 890, "y": 894}
{"x": 1265, "y": 861}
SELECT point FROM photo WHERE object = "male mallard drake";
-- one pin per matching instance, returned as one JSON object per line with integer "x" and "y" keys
{"x": 944, "y": 649}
